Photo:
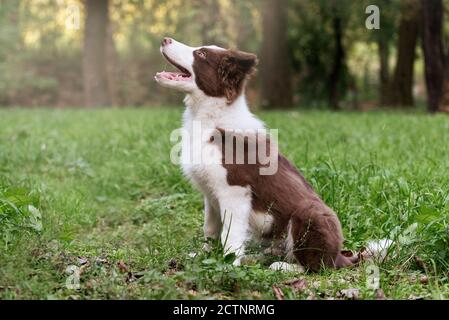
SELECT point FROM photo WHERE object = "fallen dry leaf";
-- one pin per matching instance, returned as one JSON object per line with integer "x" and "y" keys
{"x": 190, "y": 285}
{"x": 421, "y": 264}
{"x": 311, "y": 296}
{"x": 133, "y": 276}
{"x": 413, "y": 297}
{"x": 278, "y": 293}
{"x": 192, "y": 293}
{"x": 380, "y": 295}
{"x": 84, "y": 267}
{"x": 102, "y": 260}
{"x": 297, "y": 284}
{"x": 170, "y": 272}
{"x": 122, "y": 266}
{"x": 424, "y": 280}
{"x": 350, "y": 293}
{"x": 173, "y": 264}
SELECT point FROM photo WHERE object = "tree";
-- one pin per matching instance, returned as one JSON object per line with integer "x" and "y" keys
{"x": 384, "y": 38}
{"x": 275, "y": 63}
{"x": 444, "y": 101}
{"x": 10, "y": 47}
{"x": 384, "y": 70}
{"x": 401, "y": 86}
{"x": 10, "y": 26}
{"x": 112, "y": 73}
{"x": 209, "y": 17}
{"x": 338, "y": 64}
{"x": 434, "y": 59}
{"x": 95, "y": 53}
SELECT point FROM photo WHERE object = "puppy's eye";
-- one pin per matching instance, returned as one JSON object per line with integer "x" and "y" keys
{"x": 201, "y": 54}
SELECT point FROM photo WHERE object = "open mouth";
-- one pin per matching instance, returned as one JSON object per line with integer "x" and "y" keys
{"x": 183, "y": 75}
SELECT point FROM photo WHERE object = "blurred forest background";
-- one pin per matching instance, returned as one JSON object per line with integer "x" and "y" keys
{"x": 313, "y": 53}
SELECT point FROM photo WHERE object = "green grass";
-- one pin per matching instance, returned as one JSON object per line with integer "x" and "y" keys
{"x": 96, "y": 189}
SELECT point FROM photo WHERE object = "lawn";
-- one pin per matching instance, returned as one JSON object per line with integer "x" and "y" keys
{"x": 93, "y": 194}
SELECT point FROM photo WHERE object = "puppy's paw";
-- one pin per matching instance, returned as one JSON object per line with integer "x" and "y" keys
{"x": 287, "y": 267}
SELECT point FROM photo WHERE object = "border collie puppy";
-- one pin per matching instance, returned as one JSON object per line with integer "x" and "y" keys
{"x": 239, "y": 202}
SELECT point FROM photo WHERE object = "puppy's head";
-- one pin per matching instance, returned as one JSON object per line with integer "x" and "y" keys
{"x": 208, "y": 70}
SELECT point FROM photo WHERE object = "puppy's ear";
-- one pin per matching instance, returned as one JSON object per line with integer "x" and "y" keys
{"x": 234, "y": 69}
{"x": 245, "y": 61}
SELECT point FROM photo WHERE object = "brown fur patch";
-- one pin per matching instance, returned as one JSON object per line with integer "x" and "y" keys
{"x": 288, "y": 197}
{"x": 222, "y": 73}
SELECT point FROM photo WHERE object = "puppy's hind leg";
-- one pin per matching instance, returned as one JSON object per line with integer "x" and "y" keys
{"x": 342, "y": 262}
{"x": 291, "y": 264}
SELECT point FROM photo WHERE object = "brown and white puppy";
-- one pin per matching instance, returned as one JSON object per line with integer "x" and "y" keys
{"x": 240, "y": 201}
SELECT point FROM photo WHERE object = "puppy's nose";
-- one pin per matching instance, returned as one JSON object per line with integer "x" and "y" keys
{"x": 166, "y": 41}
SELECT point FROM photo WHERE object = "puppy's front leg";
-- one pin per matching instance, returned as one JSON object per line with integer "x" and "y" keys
{"x": 212, "y": 221}
{"x": 235, "y": 209}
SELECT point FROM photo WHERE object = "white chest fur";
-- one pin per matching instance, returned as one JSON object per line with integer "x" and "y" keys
{"x": 228, "y": 208}
{"x": 201, "y": 160}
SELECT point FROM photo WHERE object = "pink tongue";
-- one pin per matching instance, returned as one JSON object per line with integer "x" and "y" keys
{"x": 171, "y": 75}
{"x": 167, "y": 75}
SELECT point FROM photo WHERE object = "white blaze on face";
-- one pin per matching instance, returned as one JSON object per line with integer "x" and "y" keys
{"x": 179, "y": 55}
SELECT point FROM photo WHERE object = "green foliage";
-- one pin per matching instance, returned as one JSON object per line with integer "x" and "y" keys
{"x": 312, "y": 43}
{"x": 19, "y": 214}
{"x": 312, "y": 46}
{"x": 41, "y": 59}
{"x": 114, "y": 205}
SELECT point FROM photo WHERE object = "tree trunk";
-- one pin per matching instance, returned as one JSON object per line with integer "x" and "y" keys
{"x": 337, "y": 69}
{"x": 95, "y": 56}
{"x": 209, "y": 16}
{"x": 10, "y": 46}
{"x": 112, "y": 68}
{"x": 432, "y": 17}
{"x": 401, "y": 87}
{"x": 444, "y": 101}
{"x": 10, "y": 38}
{"x": 275, "y": 61}
{"x": 384, "y": 71}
